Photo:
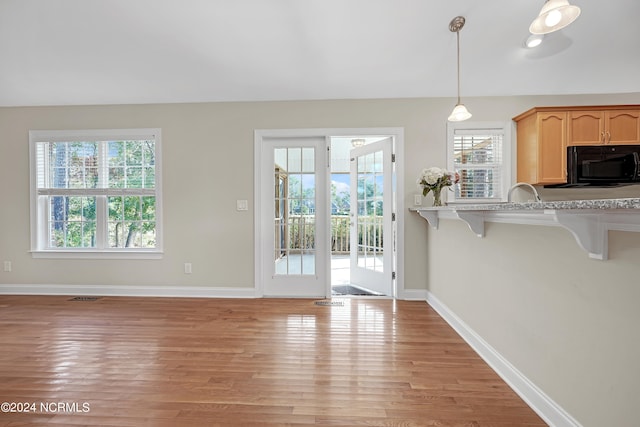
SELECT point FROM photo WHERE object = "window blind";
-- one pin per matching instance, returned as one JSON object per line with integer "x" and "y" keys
{"x": 478, "y": 159}
{"x": 95, "y": 190}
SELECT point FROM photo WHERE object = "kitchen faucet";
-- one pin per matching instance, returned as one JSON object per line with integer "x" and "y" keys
{"x": 524, "y": 184}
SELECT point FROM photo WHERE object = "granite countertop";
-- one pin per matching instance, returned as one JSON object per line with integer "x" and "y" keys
{"x": 628, "y": 203}
{"x": 581, "y": 217}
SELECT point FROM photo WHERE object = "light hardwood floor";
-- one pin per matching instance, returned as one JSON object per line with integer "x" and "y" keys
{"x": 225, "y": 362}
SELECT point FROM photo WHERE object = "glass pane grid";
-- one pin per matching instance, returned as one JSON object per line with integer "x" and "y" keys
{"x": 78, "y": 165}
{"x": 131, "y": 222}
{"x": 72, "y": 222}
{"x": 479, "y": 183}
{"x": 71, "y": 165}
{"x": 131, "y": 164}
{"x": 478, "y": 161}
{"x": 370, "y": 190}
{"x": 295, "y": 209}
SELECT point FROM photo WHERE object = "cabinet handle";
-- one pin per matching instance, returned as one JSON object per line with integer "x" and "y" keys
{"x": 602, "y": 137}
{"x": 608, "y": 137}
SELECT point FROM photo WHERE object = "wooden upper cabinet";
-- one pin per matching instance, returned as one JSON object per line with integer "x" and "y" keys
{"x": 622, "y": 127}
{"x": 545, "y": 132}
{"x": 604, "y": 127}
{"x": 586, "y": 128}
{"x": 552, "y": 149}
{"x": 542, "y": 147}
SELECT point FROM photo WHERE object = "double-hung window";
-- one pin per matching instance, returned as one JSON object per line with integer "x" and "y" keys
{"x": 480, "y": 154}
{"x": 96, "y": 193}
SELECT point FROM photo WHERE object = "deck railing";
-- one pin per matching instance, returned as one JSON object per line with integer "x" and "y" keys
{"x": 340, "y": 234}
{"x": 300, "y": 232}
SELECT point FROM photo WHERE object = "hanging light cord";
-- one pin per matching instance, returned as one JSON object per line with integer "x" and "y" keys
{"x": 458, "y": 43}
{"x": 455, "y": 26}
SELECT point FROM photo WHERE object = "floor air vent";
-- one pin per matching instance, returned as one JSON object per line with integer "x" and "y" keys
{"x": 84, "y": 299}
{"x": 330, "y": 303}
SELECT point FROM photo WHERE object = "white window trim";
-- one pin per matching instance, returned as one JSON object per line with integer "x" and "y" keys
{"x": 37, "y": 233}
{"x": 508, "y": 161}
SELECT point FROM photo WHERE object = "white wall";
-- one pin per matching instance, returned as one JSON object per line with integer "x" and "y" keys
{"x": 565, "y": 321}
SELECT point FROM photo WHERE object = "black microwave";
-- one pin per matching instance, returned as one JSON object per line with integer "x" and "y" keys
{"x": 603, "y": 164}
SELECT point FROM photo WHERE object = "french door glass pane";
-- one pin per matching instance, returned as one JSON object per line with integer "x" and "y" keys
{"x": 370, "y": 193}
{"x": 295, "y": 211}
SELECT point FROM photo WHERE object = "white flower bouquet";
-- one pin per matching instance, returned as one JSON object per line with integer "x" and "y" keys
{"x": 434, "y": 179}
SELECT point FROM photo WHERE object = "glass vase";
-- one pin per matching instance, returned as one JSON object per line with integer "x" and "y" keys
{"x": 437, "y": 196}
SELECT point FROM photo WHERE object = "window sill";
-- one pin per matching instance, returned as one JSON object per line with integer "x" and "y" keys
{"x": 77, "y": 254}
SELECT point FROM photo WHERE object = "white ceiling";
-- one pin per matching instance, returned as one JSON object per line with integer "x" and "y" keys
{"x": 70, "y": 52}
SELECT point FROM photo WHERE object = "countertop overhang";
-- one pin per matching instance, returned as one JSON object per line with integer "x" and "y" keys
{"x": 588, "y": 220}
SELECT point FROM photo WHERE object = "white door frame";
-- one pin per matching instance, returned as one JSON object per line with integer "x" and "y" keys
{"x": 259, "y": 232}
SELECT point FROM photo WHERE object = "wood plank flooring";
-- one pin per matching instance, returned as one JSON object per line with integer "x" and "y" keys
{"x": 250, "y": 362}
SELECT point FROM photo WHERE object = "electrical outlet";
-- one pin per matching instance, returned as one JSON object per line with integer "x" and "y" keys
{"x": 7, "y": 266}
{"x": 187, "y": 268}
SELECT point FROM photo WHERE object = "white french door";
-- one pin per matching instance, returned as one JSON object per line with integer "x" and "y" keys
{"x": 294, "y": 215}
{"x": 371, "y": 249}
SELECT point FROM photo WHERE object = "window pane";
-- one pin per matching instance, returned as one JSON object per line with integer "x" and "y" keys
{"x": 149, "y": 177}
{"x": 477, "y": 158}
{"x": 131, "y": 222}
{"x": 116, "y": 177}
{"x": 133, "y": 177}
{"x": 308, "y": 160}
{"x": 148, "y": 208}
{"x": 71, "y": 165}
{"x": 131, "y": 164}
{"x": 132, "y": 208}
{"x": 134, "y": 153}
{"x": 479, "y": 183}
{"x": 294, "y": 160}
{"x": 72, "y": 222}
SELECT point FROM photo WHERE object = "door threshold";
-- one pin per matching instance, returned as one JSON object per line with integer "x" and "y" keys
{"x": 353, "y": 290}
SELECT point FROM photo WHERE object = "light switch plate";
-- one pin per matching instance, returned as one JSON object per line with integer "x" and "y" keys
{"x": 242, "y": 205}
{"x": 417, "y": 199}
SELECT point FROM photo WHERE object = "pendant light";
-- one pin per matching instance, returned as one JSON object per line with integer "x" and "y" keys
{"x": 459, "y": 112}
{"x": 554, "y": 15}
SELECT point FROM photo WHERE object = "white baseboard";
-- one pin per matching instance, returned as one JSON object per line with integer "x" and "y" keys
{"x": 130, "y": 291}
{"x": 542, "y": 404}
{"x": 158, "y": 291}
{"x": 413, "y": 294}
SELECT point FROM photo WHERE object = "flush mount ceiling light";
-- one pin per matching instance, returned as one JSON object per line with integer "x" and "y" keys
{"x": 459, "y": 112}
{"x": 533, "y": 40}
{"x": 554, "y": 15}
{"x": 358, "y": 142}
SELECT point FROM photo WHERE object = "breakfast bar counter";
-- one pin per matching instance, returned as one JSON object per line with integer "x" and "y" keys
{"x": 588, "y": 220}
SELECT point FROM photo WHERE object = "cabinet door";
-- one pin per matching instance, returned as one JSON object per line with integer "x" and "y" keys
{"x": 586, "y": 128}
{"x": 552, "y": 146}
{"x": 622, "y": 127}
